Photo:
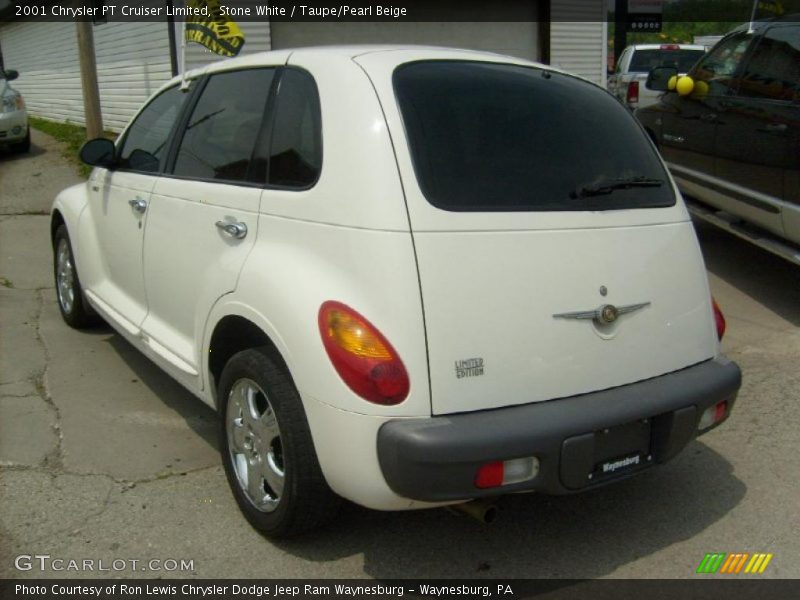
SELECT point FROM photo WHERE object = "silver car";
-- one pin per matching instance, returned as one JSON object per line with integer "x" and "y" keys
{"x": 14, "y": 130}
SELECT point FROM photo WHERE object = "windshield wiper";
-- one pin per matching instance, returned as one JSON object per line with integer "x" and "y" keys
{"x": 609, "y": 185}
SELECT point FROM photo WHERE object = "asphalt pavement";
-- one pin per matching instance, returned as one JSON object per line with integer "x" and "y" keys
{"x": 104, "y": 457}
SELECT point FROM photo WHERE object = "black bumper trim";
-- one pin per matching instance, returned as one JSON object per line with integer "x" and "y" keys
{"x": 436, "y": 459}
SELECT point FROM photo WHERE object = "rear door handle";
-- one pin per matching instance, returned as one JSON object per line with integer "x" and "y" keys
{"x": 709, "y": 117}
{"x": 234, "y": 229}
{"x": 138, "y": 204}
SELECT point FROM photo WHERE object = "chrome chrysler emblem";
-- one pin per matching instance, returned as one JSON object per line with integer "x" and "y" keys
{"x": 605, "y": 315}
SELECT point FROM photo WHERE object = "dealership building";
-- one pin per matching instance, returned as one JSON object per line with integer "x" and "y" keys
{"x": 134, "y": 58}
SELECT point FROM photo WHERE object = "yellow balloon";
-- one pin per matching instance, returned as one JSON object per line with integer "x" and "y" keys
{"x": 672, "y": 81}
{"x": 700, "y": 88}
{"x": 685, "y": 85}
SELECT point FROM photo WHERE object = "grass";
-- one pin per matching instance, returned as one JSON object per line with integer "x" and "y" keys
{"x": 73, "y": 136}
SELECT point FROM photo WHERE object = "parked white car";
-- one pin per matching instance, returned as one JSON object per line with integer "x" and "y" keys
{"x": 14, "y": 131}
{"x": 408, "y": 277}
{"x": 628, "y": 81}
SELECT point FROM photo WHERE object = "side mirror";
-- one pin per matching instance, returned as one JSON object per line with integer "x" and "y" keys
{"x": 659, "y": 78}
{"x": 99, "y": 152}
{"x": 11, "y": 74}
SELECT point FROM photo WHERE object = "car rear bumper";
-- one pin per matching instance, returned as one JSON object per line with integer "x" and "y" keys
{"x": 436, "y": 459}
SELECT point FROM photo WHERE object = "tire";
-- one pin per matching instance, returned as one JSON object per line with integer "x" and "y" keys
{"x": 24, "y": 146}
{"x": 264, "y": 432}
{"x": 69, "y": 293}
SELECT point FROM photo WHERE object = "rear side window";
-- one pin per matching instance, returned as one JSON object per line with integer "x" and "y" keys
{"x": 295, "y": 149}
{"x": 644, "y": 61}
{"x": 491, "y": 137}
{"x": 221, "y": 133}
{"x": 773, "y": 71}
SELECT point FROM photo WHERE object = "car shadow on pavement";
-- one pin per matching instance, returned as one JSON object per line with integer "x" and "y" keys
{"x": 768, "y": 279}
{"x": 7, "y": 155}
{"x": 200, "y": 417}
{"x": 586, "y": 535}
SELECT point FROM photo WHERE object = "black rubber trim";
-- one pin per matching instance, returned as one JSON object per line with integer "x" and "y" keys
{"x": 743, "y": 198}
{"x": 436, "y": 459}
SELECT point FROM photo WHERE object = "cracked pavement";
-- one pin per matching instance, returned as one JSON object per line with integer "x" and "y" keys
{"x": 102, "y": 456}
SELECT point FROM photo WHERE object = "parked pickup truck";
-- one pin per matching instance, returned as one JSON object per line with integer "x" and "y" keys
{"x": 730, "y": 133}
{"x": 627, "y": 82}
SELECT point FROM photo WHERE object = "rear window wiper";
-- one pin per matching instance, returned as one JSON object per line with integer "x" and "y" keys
{"x": 609, "y": 185}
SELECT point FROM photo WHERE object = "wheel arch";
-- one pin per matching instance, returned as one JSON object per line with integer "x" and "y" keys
{"x": 56, "y": 221}
{"x": 231, "y": 333}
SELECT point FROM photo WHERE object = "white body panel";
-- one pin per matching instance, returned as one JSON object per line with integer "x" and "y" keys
{"x": 204, "y": 262}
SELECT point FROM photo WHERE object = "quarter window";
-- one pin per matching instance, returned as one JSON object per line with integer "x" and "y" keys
{"x": 221, "y": 132}
{"x": 146, "y": 139}
{"x": 773, "y": 71}
{"x": 295, "y": 151}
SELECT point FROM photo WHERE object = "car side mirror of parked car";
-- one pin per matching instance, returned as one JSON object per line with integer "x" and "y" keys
{"x": 659, "y": 78}
{"x": 99, "y": 152}
{"x": 11, "y": 74}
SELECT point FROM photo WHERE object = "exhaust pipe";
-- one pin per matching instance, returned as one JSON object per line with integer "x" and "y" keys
{"x": 484, "y": 510}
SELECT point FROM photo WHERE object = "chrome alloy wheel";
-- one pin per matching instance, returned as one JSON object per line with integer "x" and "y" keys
{"x": 65, "y": 277}
{"x": 254, "y": 445}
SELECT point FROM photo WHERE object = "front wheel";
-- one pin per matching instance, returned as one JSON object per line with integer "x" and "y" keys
{"x": 267, "y": 449}
{"x": 68, "y": 287}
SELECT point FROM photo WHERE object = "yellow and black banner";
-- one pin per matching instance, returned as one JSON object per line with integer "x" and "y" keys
{"x": 207, "y": 25}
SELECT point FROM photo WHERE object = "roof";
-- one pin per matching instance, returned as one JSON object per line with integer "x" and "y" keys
{"x": 347, "y": 53}
{"x": 668, "y": 47}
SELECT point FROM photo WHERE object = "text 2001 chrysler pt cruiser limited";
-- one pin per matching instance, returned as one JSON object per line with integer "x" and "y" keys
{"x": 408, "y": 277}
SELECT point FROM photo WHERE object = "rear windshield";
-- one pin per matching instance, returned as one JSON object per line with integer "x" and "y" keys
{"x": 492, "y": 137}
{"x": 644, "y": 61}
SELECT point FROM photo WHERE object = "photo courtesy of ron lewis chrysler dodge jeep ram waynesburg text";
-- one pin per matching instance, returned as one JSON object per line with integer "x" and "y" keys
{"x": 404, "y": 276}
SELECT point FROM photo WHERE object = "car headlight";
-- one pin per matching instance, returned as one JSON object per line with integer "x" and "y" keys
{"x": 12, "y": 103}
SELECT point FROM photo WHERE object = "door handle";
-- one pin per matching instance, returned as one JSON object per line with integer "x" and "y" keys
{"x": 138, "y": 204}
{"x": 708, "y": 117}
{"x": 234, "y": 229}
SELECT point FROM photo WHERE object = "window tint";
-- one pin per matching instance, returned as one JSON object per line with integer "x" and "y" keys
{"x": 295, "y": 154}
{"x": 489, "y": 137}
{"x": 719, "y": 66}
{"x": 773, "y": 70}
{"x": 146, "y": 139}
{"x": 221, "y": 132}
{"x": 644, "y": 61}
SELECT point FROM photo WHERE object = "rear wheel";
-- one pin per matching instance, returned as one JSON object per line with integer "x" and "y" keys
{"x": 267, "y": 449}
{"x": 68, "y": 287}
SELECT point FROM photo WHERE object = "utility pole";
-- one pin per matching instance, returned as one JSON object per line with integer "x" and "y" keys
{"x": 91, "y": 91}
{"x": 620, "y": 29}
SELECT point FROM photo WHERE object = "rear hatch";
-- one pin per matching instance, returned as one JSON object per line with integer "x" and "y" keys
{"x": 553, "y": 257}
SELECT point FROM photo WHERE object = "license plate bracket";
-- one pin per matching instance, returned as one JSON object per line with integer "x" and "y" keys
{"x": 621, "y": 449}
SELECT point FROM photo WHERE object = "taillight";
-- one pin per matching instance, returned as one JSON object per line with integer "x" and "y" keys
{"x": 633, "y": 92}
{"x": 719, "y": 319}
{"x": 364, "y": 359}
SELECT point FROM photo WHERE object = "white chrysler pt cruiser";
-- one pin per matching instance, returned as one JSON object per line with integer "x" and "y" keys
{"x": 404, "y": 276}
